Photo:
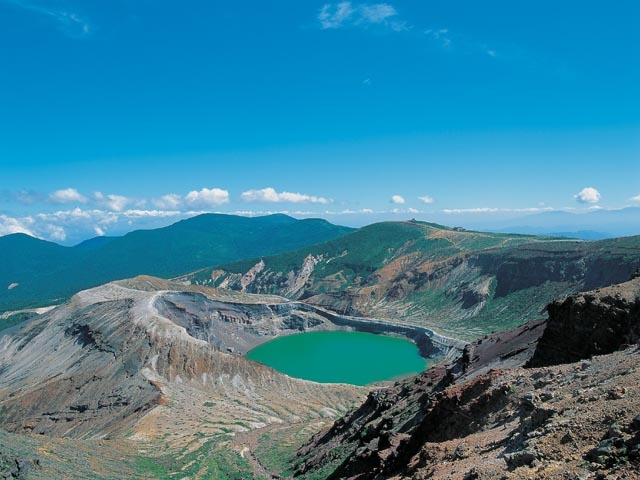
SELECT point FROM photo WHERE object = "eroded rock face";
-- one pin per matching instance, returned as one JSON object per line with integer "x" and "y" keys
{"x": 120, "y": 354}
{"x": 74, "y": 371}
{"x": 593, "y": 323}
{"x": 462, "y": 284}
{"x": 485, "y": 416}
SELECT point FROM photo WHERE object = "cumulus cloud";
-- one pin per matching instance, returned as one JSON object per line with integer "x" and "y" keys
{"x": 588, "y": 195}
{"x": 9, "y": 225}
{"x": 397, "y": 199}
{"x": 426, "y": 199}
{"x": 271, "y": 195}
{"x": 56, "y": 232}
{"x": 343, "y": 14}
{"x": 207, "y": 197}
{"x": 78, "y": 224}
{"x": 117, "y": 203}
{"x": 170, "y": 201}
{"x": 67, "y": 195}
{"x": 101, "y": 212}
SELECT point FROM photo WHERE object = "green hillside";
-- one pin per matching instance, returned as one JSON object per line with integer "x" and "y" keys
{"x": 461, "y": 283}
{"x": 47, "y": 273}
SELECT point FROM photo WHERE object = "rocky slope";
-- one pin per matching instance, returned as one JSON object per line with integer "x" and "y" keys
{"x": 486, "y": 416}
{"x": 606, "y": 320}
{"x": 462, "y": 284}
{"x": 142, "y": 357}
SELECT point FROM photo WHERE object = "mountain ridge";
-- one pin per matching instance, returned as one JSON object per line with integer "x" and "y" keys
{"x": 459, "y": 283}
{"x": 42, "y": 273}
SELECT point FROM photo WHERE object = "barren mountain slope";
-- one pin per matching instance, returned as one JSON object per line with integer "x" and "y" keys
{"x": 132, "y": 360}
{"x": 486, "y": 417}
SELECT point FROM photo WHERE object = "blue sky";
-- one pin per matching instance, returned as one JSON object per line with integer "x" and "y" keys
{"x": 133, "y": 113}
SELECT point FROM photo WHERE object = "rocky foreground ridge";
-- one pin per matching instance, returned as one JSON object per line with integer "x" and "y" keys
{"x": 487, "y": 416}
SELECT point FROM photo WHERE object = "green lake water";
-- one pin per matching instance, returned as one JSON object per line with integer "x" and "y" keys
{"x": 341, "y": 357}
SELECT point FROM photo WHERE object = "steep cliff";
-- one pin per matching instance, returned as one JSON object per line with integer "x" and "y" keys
{"x": 592, "y": 323}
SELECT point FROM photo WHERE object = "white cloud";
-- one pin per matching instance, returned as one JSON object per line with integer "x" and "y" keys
{"x": 471, "y": 210}
{"x": 67, "y": 195}
{"x": 426, "y": 199}
{"x": 78, "y": 224}
{"x": 439, "y": 35}
{"x": 377, "y": 13}
{"x": 171, "y": 201}
{"x": 9, "y": 225}
{"x": 343, "y": 14}
{"x": 154, "y": 213}
{"x": 397, "y": 199}
{"x": 271, "y": 195}
{"x": 635, "y": 199}
{"x": 207, "y": 197}
{"x": 588, "y": 195}
{"x": 347, "y": 14}
{"x": 117, "y": 203}
{"x": 70, "y": 23}
{"x": 497, "y": 210}
{"x": 334, "y": 15}
{"x": 56, "y": 232}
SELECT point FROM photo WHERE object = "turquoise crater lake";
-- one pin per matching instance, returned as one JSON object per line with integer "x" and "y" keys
{"x": 341, "y": 357}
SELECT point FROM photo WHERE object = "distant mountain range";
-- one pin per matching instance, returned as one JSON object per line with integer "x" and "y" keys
{"x": 35, "y": 272}
{"x": 594, "y": 225}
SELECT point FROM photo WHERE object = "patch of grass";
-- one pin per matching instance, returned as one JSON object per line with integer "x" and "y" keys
{"x": 214, "y": 461}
